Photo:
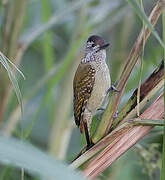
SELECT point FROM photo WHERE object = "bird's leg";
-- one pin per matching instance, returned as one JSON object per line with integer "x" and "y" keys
{"x": 87, "y": 124}
{"x": 87, "y": 136}
{"x": 112, "y": 88}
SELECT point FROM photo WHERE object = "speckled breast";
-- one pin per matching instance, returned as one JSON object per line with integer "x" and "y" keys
{"x": 101, "y": 85}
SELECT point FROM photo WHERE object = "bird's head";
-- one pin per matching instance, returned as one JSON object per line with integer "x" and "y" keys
{"x": 95, "y": 44}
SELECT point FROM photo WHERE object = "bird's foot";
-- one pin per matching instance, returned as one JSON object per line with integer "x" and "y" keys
{"x": 101, "y": 113}
{"x": 115, "y": 115}
{"x": 112, "y": 88}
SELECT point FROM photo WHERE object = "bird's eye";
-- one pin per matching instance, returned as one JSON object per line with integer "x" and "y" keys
{"x": 93, "y": 45}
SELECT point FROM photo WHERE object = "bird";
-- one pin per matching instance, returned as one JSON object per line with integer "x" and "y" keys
{"x": 90, "y": 84}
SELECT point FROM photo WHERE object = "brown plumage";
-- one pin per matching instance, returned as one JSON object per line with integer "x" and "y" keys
{"x": 83, "y": 85}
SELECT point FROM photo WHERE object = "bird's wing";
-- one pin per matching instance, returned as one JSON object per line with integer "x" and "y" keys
{"x": 82, "y": 85}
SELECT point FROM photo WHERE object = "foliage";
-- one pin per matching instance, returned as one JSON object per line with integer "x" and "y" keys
{"x": 46, "y": 40}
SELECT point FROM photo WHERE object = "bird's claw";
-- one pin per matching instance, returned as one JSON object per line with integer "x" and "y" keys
{"x": 115, "y": 115}
{"x": 102, "y": 111}
{"x": 112, "y": 88}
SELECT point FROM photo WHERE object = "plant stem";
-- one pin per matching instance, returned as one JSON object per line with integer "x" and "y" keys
{"x": 48, "y": 51}
{"x": 148, "y": 89}
{"x": 18, "y": 17}
{"x": 120, "y": 143}
{"x": 146, "y": 122}
{"x": 141, "y": 65}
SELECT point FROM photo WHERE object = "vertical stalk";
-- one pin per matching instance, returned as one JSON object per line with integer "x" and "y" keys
{"x": 11, "y": 32}
{"x": 17, "y": 24}
{"x": 163, "y": 151}
{"x": 48, "y": 49}
{"x": 47, "y": 43}
{"x": 141, "y": 65}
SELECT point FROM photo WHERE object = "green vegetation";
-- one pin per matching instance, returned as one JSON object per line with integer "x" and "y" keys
{"x": 46, "y": 41}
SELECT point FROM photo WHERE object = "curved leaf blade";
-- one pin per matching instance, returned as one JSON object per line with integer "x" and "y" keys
{"x": 23, "y": 155}
{"x": 12, "y": 77}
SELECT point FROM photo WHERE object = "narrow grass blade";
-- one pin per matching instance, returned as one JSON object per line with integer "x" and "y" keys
{"x": 21, "y": 73}
{"x": 13, "y": 79}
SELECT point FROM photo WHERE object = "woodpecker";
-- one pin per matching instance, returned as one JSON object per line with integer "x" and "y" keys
{"x": 91, "y": 84}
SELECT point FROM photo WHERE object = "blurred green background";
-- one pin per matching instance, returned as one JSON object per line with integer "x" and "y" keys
{"x": 46, "y": 39}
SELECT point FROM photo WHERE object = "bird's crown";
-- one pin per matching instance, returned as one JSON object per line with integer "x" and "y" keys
{"x": 96, "y": 41}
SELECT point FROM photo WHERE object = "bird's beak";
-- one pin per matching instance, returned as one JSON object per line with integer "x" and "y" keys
{"x": 104, "y": 46}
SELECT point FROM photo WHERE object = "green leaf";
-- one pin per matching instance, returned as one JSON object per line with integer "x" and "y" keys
{"x": 23, "y": 155}
{"x": 144, "y": 18}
